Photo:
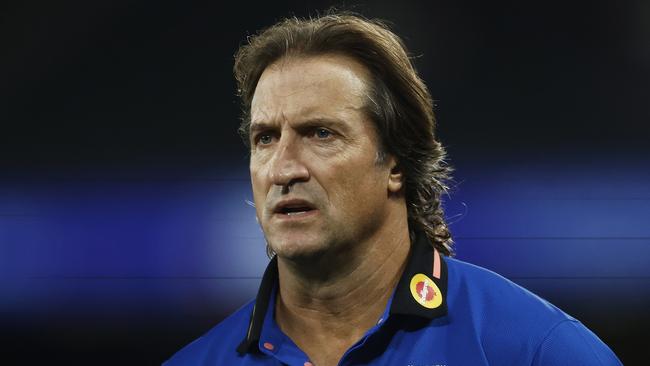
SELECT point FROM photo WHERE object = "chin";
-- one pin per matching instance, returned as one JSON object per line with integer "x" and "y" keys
{"x": 297, "y": 248}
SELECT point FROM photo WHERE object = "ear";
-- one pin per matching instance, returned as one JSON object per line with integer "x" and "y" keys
{"x": 396, "y": 177}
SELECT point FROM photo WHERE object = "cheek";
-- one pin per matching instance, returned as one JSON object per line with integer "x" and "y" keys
{"x": 258, "y": 185}
{"x": 360, "y": 190}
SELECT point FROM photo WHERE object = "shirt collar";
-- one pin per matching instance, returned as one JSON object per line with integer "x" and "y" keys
{"x": 420, "y": 292}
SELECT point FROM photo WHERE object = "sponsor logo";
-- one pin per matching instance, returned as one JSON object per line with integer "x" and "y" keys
{"x": 425, "y": 291}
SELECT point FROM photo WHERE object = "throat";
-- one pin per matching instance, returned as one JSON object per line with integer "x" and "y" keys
{"x": 336, "y": 300}
{"x": 332, "y": 315}
{"x": 310, "y": 329}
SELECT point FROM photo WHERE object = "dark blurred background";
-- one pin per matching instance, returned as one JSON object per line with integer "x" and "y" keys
{"x": 124, "y": 228}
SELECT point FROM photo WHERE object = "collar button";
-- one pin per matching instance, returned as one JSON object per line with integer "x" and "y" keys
{"x": 269, "y": 346}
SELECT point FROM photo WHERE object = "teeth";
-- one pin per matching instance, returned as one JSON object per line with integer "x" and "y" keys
{"x": 295, "y": 213}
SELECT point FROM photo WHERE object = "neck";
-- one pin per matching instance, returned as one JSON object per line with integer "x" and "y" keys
{"x": 338, "y": 306}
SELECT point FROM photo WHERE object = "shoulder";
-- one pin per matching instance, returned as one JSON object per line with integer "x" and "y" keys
{"x": 571, "y": 343}
{"x": 218, "y": 345}
{"x": 514, "y": 325}
{"x": 471, "y": 285}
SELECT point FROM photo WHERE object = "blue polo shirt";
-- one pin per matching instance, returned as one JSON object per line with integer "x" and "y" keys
{"x": 443, "y": 312}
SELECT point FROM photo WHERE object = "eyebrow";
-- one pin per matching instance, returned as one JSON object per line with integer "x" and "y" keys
{"x": 311, "y": 122}
{"x": 260, "y": 126}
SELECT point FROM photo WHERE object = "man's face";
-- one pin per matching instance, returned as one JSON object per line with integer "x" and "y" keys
{"x": 316, "y": 182}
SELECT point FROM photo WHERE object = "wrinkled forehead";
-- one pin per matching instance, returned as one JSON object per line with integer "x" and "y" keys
{"x": 297, "y": 86}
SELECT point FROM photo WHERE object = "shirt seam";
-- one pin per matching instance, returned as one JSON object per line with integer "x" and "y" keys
{"x": 550, "y": 332}
{"x": 547, "y": 336}
{"x": 596, "y": 354}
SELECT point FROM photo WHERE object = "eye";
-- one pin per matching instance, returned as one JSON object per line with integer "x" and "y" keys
{"x": 322, "y": 133}
{"x": 264, "y": 138}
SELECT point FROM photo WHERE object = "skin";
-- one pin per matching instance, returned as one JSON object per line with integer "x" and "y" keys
{"x": 338, "y": 262}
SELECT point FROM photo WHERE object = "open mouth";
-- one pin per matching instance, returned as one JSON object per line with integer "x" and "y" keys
{"x": 292, "y": 211}
{"x": 294, "y": 207}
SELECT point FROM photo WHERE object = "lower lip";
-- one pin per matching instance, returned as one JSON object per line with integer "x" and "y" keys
{"x": 296, "y": 216}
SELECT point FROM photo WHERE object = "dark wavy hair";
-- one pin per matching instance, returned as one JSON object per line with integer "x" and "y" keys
{"x": 398, "y": 102}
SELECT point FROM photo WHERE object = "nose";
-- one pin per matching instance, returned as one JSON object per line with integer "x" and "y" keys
{"x": 287, "y": 165}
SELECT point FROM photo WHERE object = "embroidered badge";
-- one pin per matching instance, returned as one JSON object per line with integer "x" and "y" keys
{"x": 425, "y": 291}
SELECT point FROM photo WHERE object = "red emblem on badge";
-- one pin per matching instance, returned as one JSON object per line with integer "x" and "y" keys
{"x": 426, "y": 292}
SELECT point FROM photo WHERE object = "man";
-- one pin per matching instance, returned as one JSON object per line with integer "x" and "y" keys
{"x": 347, "y": 177}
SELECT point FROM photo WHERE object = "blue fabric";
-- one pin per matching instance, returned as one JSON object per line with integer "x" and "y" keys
{"x": 489, "y": 321}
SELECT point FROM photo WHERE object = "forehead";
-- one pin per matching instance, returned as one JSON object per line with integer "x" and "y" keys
{"x": 302, "y": 86}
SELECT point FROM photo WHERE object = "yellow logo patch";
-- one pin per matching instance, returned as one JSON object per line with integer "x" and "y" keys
{"x": 425, "y": 291}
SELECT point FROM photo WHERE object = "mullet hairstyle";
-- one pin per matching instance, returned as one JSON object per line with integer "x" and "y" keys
{"x": 398, "y": 102}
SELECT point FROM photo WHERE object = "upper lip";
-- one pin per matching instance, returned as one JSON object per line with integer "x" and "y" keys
{"x": 283, "y": 205}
